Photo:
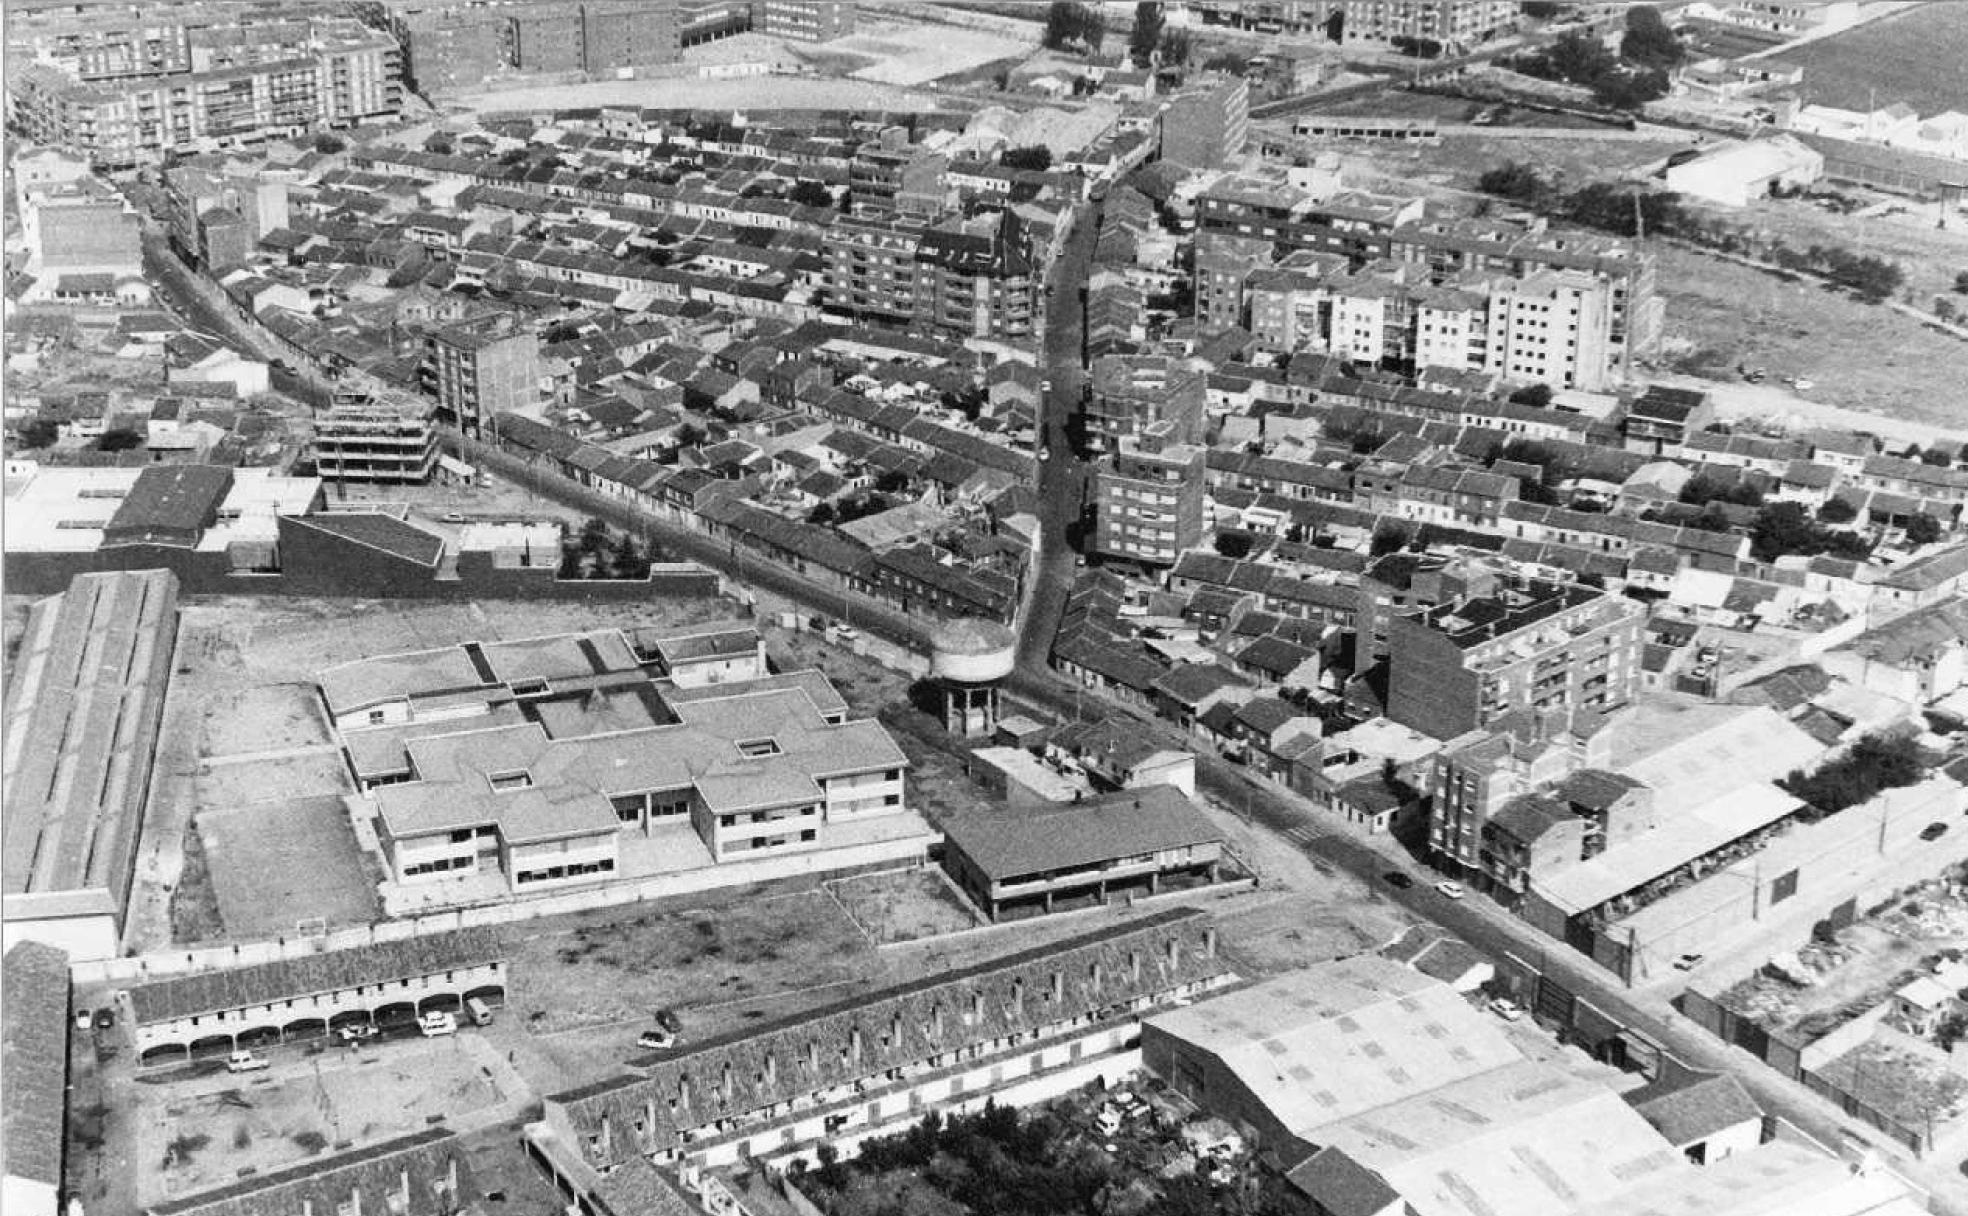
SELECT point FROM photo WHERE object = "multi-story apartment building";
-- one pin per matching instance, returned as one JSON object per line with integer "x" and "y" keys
{"x": 871, "y": 268}
{"x": 448, "y": 47}
{"x": 1207, "y": 123}
{"x": 1458, "y": 25}
{"x": 358, "y": 439}
{"x": 480, "y": 368}
{"x": 1530, "y": 644}
{"x": 1553, "y": 327}
{"x": 1148, "y": 498}
{"x": 1225, "y": 263}
{"x": 274, "y": 80}
{"x": 964, "y": 277}
{"x": 1131, "y": 393}
{"x": 194, "y": 197}
{"x": 806, "y": 20}
{"x": 1354, "y": 223}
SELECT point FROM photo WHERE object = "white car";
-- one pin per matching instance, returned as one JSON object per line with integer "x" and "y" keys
{"x": 438, "y": 1022}
{"x": 246, "y": 1061}
{"x": 658, "y": 1039}
{"x": 1508, "y": 1010}
{"x": 1453, "y": 890}
{"x": 356, "y": 1033}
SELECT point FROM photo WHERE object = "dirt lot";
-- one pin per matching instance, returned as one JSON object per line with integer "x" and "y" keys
{"x": 272, "y": 717}
{"x": 262, "y": 778}
{"x": 1449, "y": 170}
{"x": 898, "y": 53}
{"x": 275, "y": 864}
{"x": 1859, "y": 356}
{"x": 1286, "y": 932}
{"x": 902, "y": 905}
{"x": 197, "y": 1134}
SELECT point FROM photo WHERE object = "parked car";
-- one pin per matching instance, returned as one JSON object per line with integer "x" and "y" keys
{"x": 1508, "y": 1010}
{"x": 1398, "y": 880}
{"x": 246, "y": 1061}
{"x": 668, "y": 1020}
{"x": 357, "y": 1033}
{"x": 1933, "y": 831}
{"x": 1688, "y": 962}
{"x": 105, "y": 1018}
{"x": 438, "y": 1022}
{"x": 656, "y": 1040}
{"x": 84, "y": 1019}
{"x": 1454, "y": 890}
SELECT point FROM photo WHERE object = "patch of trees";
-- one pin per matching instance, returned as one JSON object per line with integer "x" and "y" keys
{"x": 847, "y": 510}
{"x": 1068, "y": 25}
{"x": 1146, "y": 38}
{"x": 1648, "y": 41}
{"x": 1238, "y": 64}
{"x": 1577, "y": 57}
{"x": 1037, "y": 157}
{"x": 120, "y": 439}
{"x": 1234, "y": 544}
{"x": 1416, "y": 48}
{"x": 993, "y": 1161}
{"x": 37, "y": 433}
{"x": 1876, "y": 762}
{"x": 1872, "y": 279}
{"x": 1923, "y": 529}
{"x": 594, "y": 552}
{"x": 328, "y": 145}
{"x": 1704, "y": 488}
{"x": 1785, "y": 528}
{"x": 1536, "y": 395}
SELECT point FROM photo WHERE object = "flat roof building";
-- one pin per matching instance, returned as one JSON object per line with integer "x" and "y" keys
{"x": 82, "y": 716}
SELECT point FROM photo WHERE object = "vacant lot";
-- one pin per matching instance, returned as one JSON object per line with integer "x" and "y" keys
{"x": 620, "y": 966}
{"x": 902, "y": 905}
{"x": 275, "y": 864}
{"x": 241, "y": 781}
{"x": 1453, "y": 166}
{"x": 910, "y": 54}
{"x": 1913, "y": 57}
{"x": 272, "y": 717}
{"x": 1903, "y": 232}
{"x": 1283, "y": 934}
{"x": 761, "y": 92}
{"x": 1858, "y": 355}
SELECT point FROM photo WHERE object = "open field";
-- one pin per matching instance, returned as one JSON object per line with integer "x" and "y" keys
{"x": 1287, "y": 932}
{"x": 273, "y": 777}
{"x": 758, "y": 92}
{"x": 1903, "y": 232}
{"x": 1453, "y": 166}
{"x": 1400, "y": 103}
{"x": 902, "y": 905}
{"x": 900, "y": 53}
{"x": 1858, "y": 356}
{"x": 274, "y": 864}
{"x": 1913, "y": 57}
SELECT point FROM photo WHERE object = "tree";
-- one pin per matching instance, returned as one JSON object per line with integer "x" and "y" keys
{"x": 1233, "y": 544}
{"x": 1390, "y": 536}
{"x": 1648, "y": 41}
{"x": 594, "y": 536}
{"x": 1961, "y": 283}
{"x": 119, "y": 439}
{"x": 1036, "y": 157}
{"x": 1515, "y": 181}
{"x": 1238, "y": 64}
{"x": 810, "y": 194}
{"x": 1068, "y": 23}
{"x": 1923, "y": 529}
{"x": 1579, "y": 58}
{"x": 894, "y": 481}
{"x": 1147, "y": 35}
{"x": 1630, "y": 90}
{"x": 626, "y": 560}
{"x": 37, "y": 433}
{"x": 1176, "y": 47}
{"x": 439, "y": 145}
{"x": 328, "y": 145}
{"x": 1937, "y": 456}
{"x": 1837, "y": 511}
{"x": 1538, "y": 395}
{"x": 822, "y": 514}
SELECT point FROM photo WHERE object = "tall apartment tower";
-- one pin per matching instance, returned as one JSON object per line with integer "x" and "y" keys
{"x": 1207, "y": 125}
{"x": 480, "y": 369}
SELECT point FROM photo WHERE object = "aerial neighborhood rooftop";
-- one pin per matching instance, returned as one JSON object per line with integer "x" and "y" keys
{"x": 802, "y": 608}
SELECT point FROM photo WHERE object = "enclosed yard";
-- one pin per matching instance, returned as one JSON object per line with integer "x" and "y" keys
{"x": 268, "y": 718}
{"x": 1913, "y": 57}
{"x": 241, "y": 780}
{"x": 902, "y": 905}
{"x": 278, "y": 865}
{"x": 1284, "y": 933}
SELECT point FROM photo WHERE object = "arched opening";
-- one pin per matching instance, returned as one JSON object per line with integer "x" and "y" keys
{"x": 494, "y": 995}
{"x": 211, "y": 1047}
{"x": 259, "y": 1036}
{"x": 397, "y": 1015}
{"x": 304, "y": 1028}
{"x": 165, "y": 1053}
{"x": 440, "y": 1000}
{"x": 351, "y": 1017}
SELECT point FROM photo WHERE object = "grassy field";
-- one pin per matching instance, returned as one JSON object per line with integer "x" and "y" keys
{"x": 1904, "y": 233}
{"x": 274, "y": 864}
{"x": 1720, "y": 315}
{"x": 1914, "y": 57}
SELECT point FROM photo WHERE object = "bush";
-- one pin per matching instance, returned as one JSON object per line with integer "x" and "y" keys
{"x": 1876, "y": 762}
{"x": 1233, "y": 544}
{"x": 810, "y": 194}
{"x": 1517, "y": 182}
{"x": 1037, "y": 157}
{"x": 120, "y": 439}
{"x": 1837, "y": 511}
{"x": 1648, "y": 40}
{"x": 37, "y": 433}
{"x": 1537, "y": 395}
{"x": 1923, "y": 529}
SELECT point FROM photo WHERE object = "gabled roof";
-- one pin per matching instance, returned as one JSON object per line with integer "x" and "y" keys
{"x": 34, "y": 1061}
{"x": 1690, "y": 1108}
{"x": 1010, "y": 844}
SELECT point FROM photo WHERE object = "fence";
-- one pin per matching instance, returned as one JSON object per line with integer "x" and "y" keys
{"x": 158, "y": 965}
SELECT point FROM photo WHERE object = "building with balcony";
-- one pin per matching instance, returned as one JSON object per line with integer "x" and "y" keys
{"x": 1041, "y": 859}
{"x": 481, "y": 368}
{"x": 393, "y": 443}
{"x": 1458, "y": 25}
{"x": 1129, "y": 394}
{"x": 1208, "y": 123}
{"x": 1555, "y": 648}
{"x": 1148, "y": 498}
{"x": 806, "y": 20}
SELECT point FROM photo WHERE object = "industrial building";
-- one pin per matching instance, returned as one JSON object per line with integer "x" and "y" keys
{"x": 1042, "y": 858}
{"x": 34, "y": 1075}
{"x": 83, "y": 711}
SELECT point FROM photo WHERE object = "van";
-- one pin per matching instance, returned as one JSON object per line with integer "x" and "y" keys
{"x": 478, "y": 1011}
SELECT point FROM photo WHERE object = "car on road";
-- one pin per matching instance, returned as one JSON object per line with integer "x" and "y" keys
{"x": 84, "y": 1019}
{"x": 1045, "y": 452}
{"x": 454, "y": 517}
{"x": 437, "y": 1022}
{"x": 1508, "y": 1010}
{"x": 1688, "y": 962}
{"x": 1045, "y": 386}
{"x": 105, "y": 1018}
{"x": 1454, "y": 890}
{"x": 1398, "y": 880}
{"x": 356, "y": 1033}
{"x": 1933, "y": 831}
{"x": 246, "y": 1061}
{"x": 658, "y": 1039}
{"x": 668, "y": 1020}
